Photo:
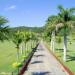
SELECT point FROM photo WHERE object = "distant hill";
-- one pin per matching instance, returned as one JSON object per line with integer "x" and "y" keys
{"x": 33, "y": 29}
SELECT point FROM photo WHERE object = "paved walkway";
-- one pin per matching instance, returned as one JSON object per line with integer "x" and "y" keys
{"x": 43, "y": 63}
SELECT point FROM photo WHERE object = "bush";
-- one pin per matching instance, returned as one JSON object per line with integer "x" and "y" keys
{"x": 19, "y": 64}
{"x": 24, "y": 56}
{"x": 16, "y": 65}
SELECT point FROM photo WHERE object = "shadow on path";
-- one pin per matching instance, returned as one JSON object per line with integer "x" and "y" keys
{"x": 41, "y": 73}
{"x": 39, "y": 55}
{"x": 36, "y": 62}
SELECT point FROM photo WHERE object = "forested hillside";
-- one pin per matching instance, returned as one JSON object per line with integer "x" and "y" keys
{"x": 32, "y": 29}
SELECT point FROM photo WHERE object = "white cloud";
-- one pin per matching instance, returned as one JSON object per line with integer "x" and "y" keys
{"x": 10, "y": 8}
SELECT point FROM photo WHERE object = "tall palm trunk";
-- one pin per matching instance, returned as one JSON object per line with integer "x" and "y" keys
{"x": 65, "y": 47}
{"x": 17, "y": 53}
{"x": 21, "y": 48}
{"x": 53, "y": 41}
{"x": 18, "y": 56}
{"x": 31, "y": 43}
{"x": 65, "y": 42}
{"x": 25, "y": 48}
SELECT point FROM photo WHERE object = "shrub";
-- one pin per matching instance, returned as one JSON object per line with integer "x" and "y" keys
{"x": 16, "y": 64}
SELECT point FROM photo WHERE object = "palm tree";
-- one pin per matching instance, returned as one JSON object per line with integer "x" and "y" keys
{"x": 26, "y": 38}
{"x": 17, "y": 40}
{"x": 66, "y": 18}
{"x": 51, "y": 26}
{"x": 33, "y": 37}
{"x": 4, "y": 30}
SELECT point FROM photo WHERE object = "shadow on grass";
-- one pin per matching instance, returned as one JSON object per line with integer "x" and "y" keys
{"x": 41, "y": 73}
{"x": 59, "y": 49}
{"x": 70, "y": 58}
{"x": 36, "y": 62}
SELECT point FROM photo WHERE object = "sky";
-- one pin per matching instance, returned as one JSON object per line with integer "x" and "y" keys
{"x": 31, "y": 13}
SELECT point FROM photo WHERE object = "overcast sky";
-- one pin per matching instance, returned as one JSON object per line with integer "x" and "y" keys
{"x": 31, "y": 12}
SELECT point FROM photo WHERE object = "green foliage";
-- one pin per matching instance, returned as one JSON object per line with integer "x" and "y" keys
{"x": 58, "y": 39}
{"x": 17, "y": 39}
{"x": 17, "y": 65}
{"x": 27, "y": 29}
{"x": 66, "y": 14}
{"x": 4, "y": 30}
{"x": 8, "y": 55}
{"x": 64, "y": 20}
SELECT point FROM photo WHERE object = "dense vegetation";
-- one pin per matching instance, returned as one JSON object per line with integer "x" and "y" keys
{"x": 32, "y": 29}
{"x": 18, "y": 47}
{"x": 62, "y": 23}
{"x": 60, "y": 32}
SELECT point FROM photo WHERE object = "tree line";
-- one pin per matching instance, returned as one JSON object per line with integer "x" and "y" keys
{"x": 62, "y": 24}
{"x": 20, "y": 37}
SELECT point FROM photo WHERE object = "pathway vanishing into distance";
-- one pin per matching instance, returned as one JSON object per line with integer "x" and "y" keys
{"x": 44, "y": 63}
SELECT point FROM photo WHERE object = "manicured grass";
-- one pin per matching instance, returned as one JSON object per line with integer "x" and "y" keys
{"x": 70, "y": 53}
{"x": 8, "y": 55}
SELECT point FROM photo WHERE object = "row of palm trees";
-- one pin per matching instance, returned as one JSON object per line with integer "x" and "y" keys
{"x": 18, "y": 38}
{"x": 64, "y": 21}
{"x": 22, "y": 37}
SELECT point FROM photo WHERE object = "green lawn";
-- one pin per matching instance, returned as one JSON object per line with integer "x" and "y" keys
{"x": 8, "y": 55}
{"x": 70, "y": 53}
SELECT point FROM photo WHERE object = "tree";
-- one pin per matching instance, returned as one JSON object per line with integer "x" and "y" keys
{"x": 34, "y": 38}
{"x": 51, "y": 28}
{"x": 26, "y": 38}
{"x": 17, "y": 40}
{"x": 67, "y": 19}
{"x": 4, "y": 30}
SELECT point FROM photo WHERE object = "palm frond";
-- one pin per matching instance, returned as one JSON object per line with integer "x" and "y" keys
{"x": 72, "y": 10}
{"x": 61, "y": 9}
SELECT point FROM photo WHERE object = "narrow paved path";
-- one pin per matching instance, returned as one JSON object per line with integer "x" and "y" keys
{"x": 43, "y": 63}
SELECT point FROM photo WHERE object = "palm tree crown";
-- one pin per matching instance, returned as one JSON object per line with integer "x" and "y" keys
{"x": 4, "y": 30}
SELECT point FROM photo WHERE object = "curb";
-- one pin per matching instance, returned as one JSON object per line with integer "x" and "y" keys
{"x": 64, "y": 67}
{"x": 27, "y": 62}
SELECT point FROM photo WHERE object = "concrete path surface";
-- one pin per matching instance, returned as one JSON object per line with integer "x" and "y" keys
{"x": 44, "y": 63}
